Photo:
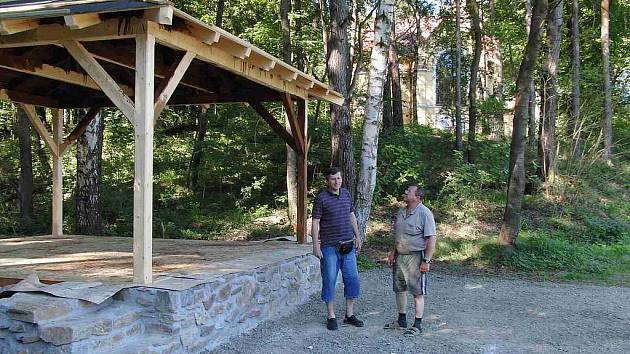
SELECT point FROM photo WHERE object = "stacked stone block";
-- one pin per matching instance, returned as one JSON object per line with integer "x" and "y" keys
{"x": 152, "y": 320}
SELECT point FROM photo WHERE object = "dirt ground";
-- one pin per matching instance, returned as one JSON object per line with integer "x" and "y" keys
{"x": 464, "y": 314}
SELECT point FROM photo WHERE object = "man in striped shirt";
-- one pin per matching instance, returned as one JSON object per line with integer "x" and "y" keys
{"x": 336, "y": 242}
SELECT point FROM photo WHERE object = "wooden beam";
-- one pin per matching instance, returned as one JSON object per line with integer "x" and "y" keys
{"x": 273, "y": 123}
{"x": 296, "y": 129}
{"x": 162, "y": 15}
{"x": 204, "y": 34}
{"x": 217, "y": 57}
{"x": 55, "y": 33}
{"x": 238, "y": 49}
{"x": 143, "y": 160}
{"x": 110, "y": 54}
{"x": 17, "y": 25}
{"x": 79, "y": 129}
{"x": 262, "y": 60}
{"x": 78, "y": 21}
{"x": 52, "y": 72}
{"x": 57, "y": 172}
{"x": 285, "y": 71}
{"x": 102, "y": 78}
{"x": 170, "y": 82}
{"x": 24, "y": 97}
{"x": 40, "y": 128}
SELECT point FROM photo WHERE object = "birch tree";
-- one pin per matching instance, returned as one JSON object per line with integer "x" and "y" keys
{"x": 87, "y": 196}
{"x": 371, "y": 125}
{"x": 516, "y": 179}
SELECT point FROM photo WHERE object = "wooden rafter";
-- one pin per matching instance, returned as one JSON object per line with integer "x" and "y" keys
{"x": 183, "y": 41}
{"x": 162, "y": 15}
{"x": 78, "y": 21}
{"x": 16, "y": 26}
{"x": 169, "y": 84}
{"x": 22, "y": 97}
{"x": 275, "y": 125}
{"x": 102, "y": 78}
{"x": 112, "y": 54}
{"x": 53, "y": 33}
{"x": 52, "y": 72}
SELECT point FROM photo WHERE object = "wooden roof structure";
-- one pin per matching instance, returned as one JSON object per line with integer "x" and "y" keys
{"x": 140, "y": 56}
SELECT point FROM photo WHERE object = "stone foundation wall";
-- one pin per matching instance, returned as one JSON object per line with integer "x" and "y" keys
{"x": 150, "y": 320}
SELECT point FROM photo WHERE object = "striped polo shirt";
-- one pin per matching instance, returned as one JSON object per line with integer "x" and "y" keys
{"x": 333, "y": 212}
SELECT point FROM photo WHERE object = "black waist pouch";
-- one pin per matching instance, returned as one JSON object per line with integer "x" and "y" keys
{"x": 345, "y": 247}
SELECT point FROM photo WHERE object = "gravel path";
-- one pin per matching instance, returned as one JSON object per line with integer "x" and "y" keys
{"x": 469, "y": 314}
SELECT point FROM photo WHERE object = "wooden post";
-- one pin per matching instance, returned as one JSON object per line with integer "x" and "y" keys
{"x": 302, "y": 171}
{"x": 143, "y": 160}
{"x": 57, "y": 199}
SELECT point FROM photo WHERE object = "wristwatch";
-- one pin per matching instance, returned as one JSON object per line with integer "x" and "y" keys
{"x": 426, "y": 260}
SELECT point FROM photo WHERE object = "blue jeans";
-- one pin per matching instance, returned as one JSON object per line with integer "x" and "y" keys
{"x": 330, "y": 264}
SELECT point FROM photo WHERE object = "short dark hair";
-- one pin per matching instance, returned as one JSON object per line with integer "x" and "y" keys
{"x": 420, "y": 192}
{"x": 332, "y": 171}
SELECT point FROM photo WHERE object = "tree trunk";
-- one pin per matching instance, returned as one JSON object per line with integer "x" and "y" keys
{"x": 339, "y": 68}
{"x": 473, "y": 10}
{"x": 607, "y": 120}
{"x": 41, "y": 149}
{"x": 369, "y": 151}
{"x": 516, "y": 180}
{"x": 25, "y": 182}
{"x": 197, "y": 155}
{"x": 394, "y": 77}
{"x": 202, "y": 123}
{"x": 414, "y": 68}
{"x": 89, "y": 157}
{"x": 387, "y": 119}
{"x": 292, "y": 186}
{"x": 531, "y": 99}
{"x": 574, "y": 125}
{"x": 220, "y": 9}
{"x": 499, "y": 126}
{"x": 459, "y": 128}
{"x": 547, "y": 159}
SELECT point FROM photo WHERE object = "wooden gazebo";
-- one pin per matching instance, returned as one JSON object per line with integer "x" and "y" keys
{"x": 141, "y": 56}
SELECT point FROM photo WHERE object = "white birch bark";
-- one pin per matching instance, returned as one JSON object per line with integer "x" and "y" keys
{"x": 373, "y": 113}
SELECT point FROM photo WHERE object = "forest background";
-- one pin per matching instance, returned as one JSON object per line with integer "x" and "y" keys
{"x": 221, "y": 173}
